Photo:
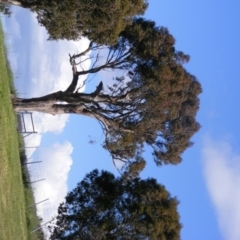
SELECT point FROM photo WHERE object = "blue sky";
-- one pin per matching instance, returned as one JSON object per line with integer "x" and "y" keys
{"x": 207, "y": 182}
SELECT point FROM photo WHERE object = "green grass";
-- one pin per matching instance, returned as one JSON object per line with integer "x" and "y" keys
{"x": 17, "y": 220}
{"x": 31, "y": 217}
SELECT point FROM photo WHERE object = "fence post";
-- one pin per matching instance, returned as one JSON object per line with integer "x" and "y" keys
{"x": 38, "y": 203}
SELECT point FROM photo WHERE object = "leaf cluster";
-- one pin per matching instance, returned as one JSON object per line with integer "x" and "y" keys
{"x": 98, "y": 20}
{"x": 105, "y": 207}
{"x": 163, "y": 96}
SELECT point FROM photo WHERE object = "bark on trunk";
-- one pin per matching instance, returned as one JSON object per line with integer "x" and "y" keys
{"x": 48, "y": 104}
{"x": 16, "y": 3}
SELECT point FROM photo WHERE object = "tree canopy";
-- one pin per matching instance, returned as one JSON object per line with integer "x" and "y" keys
{"x": 153, "y": 101}
{"x": 99, "y": 20}
{"x": 104, "y": 207}
{"x": 164, "y": 94}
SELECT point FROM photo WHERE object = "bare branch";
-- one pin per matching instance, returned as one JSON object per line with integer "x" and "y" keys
{"x": 82, "y": 53}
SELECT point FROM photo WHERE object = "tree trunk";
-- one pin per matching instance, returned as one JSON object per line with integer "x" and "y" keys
{"x": 16, "y": 3}
{"x": 41, "y": 104}
{"x": 51, "y": 104}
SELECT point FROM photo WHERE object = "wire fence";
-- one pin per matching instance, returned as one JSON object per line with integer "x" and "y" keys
{"x": 34, "y": 163}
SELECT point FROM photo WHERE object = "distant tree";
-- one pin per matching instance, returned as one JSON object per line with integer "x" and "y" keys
{"x": 153, "y": 100}
{"x": 103, "y": 207}
{"x": 5, "y": 9}
{"x": 99, "y": 20}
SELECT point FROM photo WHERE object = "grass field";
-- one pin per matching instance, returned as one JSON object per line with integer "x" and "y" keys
{"x": 16, "y": 219}
{"x": 12, "y": 201}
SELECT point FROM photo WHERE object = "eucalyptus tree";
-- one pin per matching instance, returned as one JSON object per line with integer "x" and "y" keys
{"x": 99, "y": 20}
{"x": 152, "y": 102}
{"x": 103, "y": 207}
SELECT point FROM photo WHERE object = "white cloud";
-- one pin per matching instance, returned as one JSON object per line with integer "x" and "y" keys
{"x": 43, "y": 67}
{"x": 49, "y": 61}
{"x": 55, "y": 166}
{"x": 48, "y": 67}
{"x": 42, "y": 123}
{"x": 13, "y": 29}
{"x": 222, "y": 175}
{"x": 49, "y": 123}
{"x": 14, "y": 25}
{"x": 50, "y": 71}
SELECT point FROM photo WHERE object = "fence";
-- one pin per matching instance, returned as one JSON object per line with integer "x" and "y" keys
{"x": 34, "y": 168}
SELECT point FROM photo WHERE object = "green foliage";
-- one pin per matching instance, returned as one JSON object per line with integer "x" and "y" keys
{"x": 132, "y": 170}
{"x": 105, "y": 207}
{"x": 163, "y": 96}
{"x": 99, "y": 20}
